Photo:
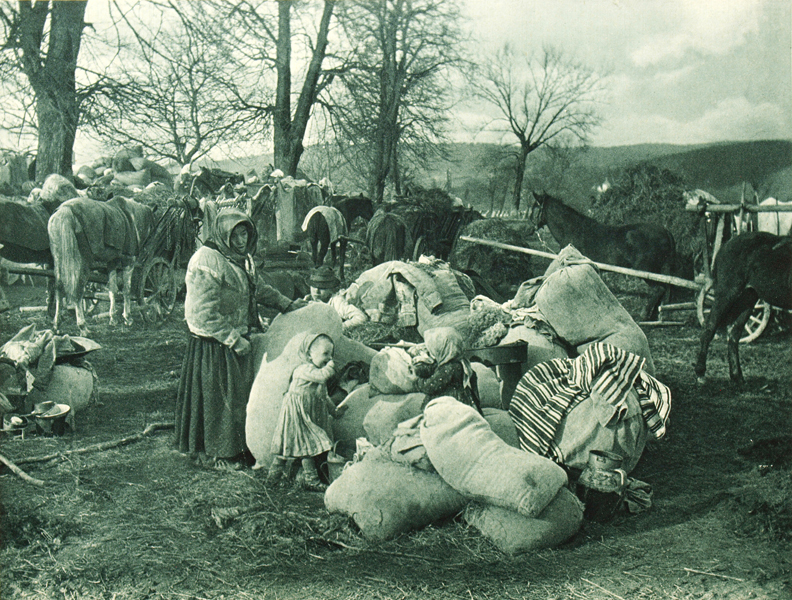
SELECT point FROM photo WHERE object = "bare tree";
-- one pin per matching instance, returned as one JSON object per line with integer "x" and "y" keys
{"x": 541, "y": 101}
{"x": 183, "y": 85}
{"x": 395, "y": 96}
{"x": 44, "y": 41}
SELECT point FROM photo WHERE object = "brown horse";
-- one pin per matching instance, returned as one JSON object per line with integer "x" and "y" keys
{"x": 87, "y": 234}
{"x": 342, "y": 212}
{"x": 749, "y": 267}
{"x": 388, "y": 237}
{"x": 642, "y": 246}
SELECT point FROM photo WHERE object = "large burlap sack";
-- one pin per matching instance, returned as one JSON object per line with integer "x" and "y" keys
{"x": 156, "y": 171}
{"x": 349, "y": 427}
{"x": 513, "y": 533}
{"x": 274, "y": 373}
{"x": 473, "y": 460}
{"x": 592, "y": 425}
{"x": 387, "y": 412}
{"x": 70, "y": 385}
{"x": 488, "y": 386}
{"x": 386, "y": 498}
{"x": 390, "y": 371}
{"x": 540, "y": 348}
{"x": 137, "y": 178}
{"x": 502, "y": 425}
{"x": 581, "y": 309}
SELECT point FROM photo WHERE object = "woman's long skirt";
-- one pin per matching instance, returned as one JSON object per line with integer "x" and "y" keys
{"x": 212, "y": 399}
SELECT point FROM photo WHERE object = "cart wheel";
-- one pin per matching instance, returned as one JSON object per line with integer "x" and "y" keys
{"x": 757, "y": 322}
{"x": 157, "y": 290}
{"x": 420, "y": 247}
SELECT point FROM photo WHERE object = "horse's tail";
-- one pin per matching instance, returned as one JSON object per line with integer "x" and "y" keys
{"x": 68, "y": 260}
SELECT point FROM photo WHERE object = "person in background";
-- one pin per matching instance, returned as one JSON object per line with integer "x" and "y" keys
{"x": 304, "y": 429}
{"x": 221, "y": 312}
{"x": 442, "y": 369}
{"x": 325, "y": 288}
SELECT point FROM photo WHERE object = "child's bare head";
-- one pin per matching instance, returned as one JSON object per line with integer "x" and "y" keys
{"x": 321, "y": 351}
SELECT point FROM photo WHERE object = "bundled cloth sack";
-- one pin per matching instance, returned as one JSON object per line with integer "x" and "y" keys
{"x": 473, "y": 460}
{"x": 488, "y": 385}
{"x": 582, "y": 310}
{"x": 620, "y": 403}
{"x": 386, "y": 498}
{"x": 391, "y": 372}
{"x": 514, "y": 533}
{"x": 274, "y": 374}
{"x": 388, "y": 411}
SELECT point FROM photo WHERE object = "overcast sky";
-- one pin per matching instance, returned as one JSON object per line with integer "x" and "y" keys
{"x": 679, "y": 71}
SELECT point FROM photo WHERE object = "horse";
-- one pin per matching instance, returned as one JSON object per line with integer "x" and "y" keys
{"x": 388, "y": 237}
{"x": 642, "y": 246}
{"x": 327, "y": 228}
{"x": 749, "y": 267}
{"x": 87, "y": 234}
{"x": 777, "y": 223}
{"x": 23, "y": 225}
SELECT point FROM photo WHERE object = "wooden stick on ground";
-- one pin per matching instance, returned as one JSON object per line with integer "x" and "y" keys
{"x": 20, "y": 472}
{"x": 101, "y": 445}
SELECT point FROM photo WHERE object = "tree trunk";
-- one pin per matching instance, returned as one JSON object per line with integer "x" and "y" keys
{"x": 518, "y": 179}
{"x": 51, "y": 75}
{"x": 281, "y": 119}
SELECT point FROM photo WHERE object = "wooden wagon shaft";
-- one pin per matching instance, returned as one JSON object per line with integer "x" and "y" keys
{"x": 92, "y": 277}
{"x": 676, "y": 281}
{"x": 730, "y": 208}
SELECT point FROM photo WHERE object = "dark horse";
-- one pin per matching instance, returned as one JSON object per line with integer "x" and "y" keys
{"x": 87, "y": 234}
{"x": 327, "y": 228}
{"x": 23, "y": 226}
{"x": 749, "y": 267}
{"x": 388, "y": 237}
{"x": 642, "y": 246}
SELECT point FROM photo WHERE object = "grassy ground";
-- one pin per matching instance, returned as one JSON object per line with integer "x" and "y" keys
{"x": 141, "y": 521}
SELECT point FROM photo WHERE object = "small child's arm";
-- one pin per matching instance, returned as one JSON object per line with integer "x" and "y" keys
{"x": 314, "y": 374}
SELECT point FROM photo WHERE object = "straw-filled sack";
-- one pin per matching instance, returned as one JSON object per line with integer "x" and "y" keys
{"x": 70, "y": 385}
{"x": 513, "y": 533}
{"x": 388, "y": 411}
{"x": 473, "y": 460}
{"x": 386, "y": 498}
{"x": 488, "y": 386}
{"x": 581, "y": 309}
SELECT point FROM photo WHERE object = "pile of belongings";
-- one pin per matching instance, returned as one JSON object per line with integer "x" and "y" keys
{"x": 587, "y": 384}
{"x": 425, "y": 294}
{"x": 38, "y": 368}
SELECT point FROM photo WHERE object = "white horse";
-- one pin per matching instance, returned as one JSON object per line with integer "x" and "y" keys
{"x": 777, "y": 223}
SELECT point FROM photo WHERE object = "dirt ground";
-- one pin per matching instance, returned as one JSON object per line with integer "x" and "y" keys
{"x": 141, "y": 521}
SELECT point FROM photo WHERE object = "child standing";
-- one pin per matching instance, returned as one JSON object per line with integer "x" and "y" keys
{"x": 304, "y": 426}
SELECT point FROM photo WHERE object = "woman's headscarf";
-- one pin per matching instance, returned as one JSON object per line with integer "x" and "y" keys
{"x": 445, "y": 345}
{"x": 305, "y": 345}
{"x": 224, "y": 224}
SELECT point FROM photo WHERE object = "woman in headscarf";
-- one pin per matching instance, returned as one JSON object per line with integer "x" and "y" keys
{"x": 220, "y": 310}
{"x": 451, "y": 373}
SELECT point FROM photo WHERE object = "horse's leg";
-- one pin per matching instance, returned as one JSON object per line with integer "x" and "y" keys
{"x": 127, "y": 314}
{"x": 56, "y": 316}
{"x": 745, "y": 304}
{"x": 52, "y": 296}
{"x": 342, "y": 248}
{"x": 657, "y": 291}
{"x": 333, "y": 257}
{"x": 79, "y": 312}
{"x": 719, "y": 310}
{"x": 113, "y": 289}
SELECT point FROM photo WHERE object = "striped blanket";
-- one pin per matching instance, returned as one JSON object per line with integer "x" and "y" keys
{"x": 546, "y": 394}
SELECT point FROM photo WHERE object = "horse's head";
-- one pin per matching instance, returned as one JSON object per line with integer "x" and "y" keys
{"x": 536, "y": 214}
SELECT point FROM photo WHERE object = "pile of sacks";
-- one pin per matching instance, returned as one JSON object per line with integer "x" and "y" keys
{"x": 449, "y": 459}
{"x": 128, "y": 168}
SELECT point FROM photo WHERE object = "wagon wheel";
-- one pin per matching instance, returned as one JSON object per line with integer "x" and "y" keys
{"x": 157, "y": 290}
{"x": 421, "y": 246}
{"x": 756, "y": 324}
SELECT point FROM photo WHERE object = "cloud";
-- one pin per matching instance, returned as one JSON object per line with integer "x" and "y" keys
{"x": 708, "y": 27}
{"x": 733, "y": 119}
